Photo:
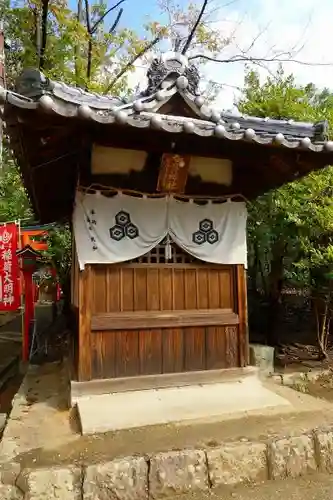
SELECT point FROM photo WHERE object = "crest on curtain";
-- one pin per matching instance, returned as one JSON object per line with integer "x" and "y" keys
{"x": 123, "y": 227}
{"x": 206, "y": 233}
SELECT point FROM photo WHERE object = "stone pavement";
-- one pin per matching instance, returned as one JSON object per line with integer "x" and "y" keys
{"x": 43, "y": 457}
{"x": 11, "y": 341}
{"x": 315, "y": 487}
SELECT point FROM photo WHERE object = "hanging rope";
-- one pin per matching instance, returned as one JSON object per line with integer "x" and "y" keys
{"x": 99, "y": 188}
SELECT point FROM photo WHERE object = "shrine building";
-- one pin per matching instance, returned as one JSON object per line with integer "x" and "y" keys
{"x": 155, "y": 189}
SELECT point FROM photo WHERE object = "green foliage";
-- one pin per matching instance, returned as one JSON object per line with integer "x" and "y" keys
{"x": 60, "y": 250}
{"x": 297, "y": 218}
{"x": 281, "y": 98}
{"x": 69, "y": 40}
{"x": 14, "y": 203}
{"x": 66, "y": 52}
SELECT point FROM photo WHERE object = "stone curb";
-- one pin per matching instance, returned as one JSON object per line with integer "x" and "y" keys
{"x": 167, "y": 474}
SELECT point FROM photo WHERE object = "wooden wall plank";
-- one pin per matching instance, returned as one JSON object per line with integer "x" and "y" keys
{"x": 232, "y": 346}
{"x": 98, "y": 289}
{"x": 171, "y": 297}
{"x": 153, "y": 290}
{"x": 134, "y": 298}
{"x": 194, "y": 338}
{"x": 178, "y": 296}
{"x": 166, "y": 288}
{"x": 226, "y": 289}
{"x": 150, "y": 341}
{"x": 140, "y": 290}
{"x": 241, "y": 288}
{"x": 85, "y": 298}
{"x": 127, "y": 353}
{"x": 103, "y": 357}
{"x": 215, "y": 336}
{"x": 173, "y": 351}
{"x": 190, "y": 289}
{"x": 150, "y": 351}
{"x": 202, "y": 288}
{"x": 113, "y": 288}
{"x": 105, "y": 291}
{"x": 127, "y": 302}
{"x": 214, "y": 292}
{"x": 147, "y": 320}
{"x": 216, "y": 348}
{"x": 138, "y": 341}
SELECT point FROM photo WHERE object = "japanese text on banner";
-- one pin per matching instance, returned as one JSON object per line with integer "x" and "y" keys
{"x": 9, "y": 268}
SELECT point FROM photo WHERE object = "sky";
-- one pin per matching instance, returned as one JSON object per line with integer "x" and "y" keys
{"x": 303, "y": 27}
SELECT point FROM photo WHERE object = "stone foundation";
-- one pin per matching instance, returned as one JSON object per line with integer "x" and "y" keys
{"x": 262, "y": 356}
{"x": 168, "y": 474}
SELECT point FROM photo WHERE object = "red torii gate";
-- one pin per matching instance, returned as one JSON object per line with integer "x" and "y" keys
{"x": 33, "y": 243}
{"x": 30, "y": 259}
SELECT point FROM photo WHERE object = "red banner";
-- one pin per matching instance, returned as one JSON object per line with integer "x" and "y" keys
{"x": 9, "y": 268}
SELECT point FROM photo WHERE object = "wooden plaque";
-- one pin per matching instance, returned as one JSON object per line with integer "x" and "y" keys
{"x": 173, "y": 173}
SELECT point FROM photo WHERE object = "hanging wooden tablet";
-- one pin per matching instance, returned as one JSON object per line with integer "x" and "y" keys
{"x": 173, "y": 173}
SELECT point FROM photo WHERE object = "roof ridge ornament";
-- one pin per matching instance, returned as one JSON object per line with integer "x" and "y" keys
{"x": 33, "y": 83}
{"x": 167, "y": 68}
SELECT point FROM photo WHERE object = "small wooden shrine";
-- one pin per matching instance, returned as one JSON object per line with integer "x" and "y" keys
{"x": 155, "y": 189}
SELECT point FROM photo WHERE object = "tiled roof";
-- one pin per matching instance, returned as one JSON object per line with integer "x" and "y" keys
{"x": 169, "y": 75}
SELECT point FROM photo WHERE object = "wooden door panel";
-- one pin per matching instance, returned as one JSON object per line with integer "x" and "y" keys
{"x": 127, "y": 351}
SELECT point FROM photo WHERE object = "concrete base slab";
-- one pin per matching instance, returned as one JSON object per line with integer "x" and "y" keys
{"x": 116, "y": 411}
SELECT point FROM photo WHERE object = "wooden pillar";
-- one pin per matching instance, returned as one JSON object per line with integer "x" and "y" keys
{"x": 85, "y": 291}
{"x": 241, "y": 282}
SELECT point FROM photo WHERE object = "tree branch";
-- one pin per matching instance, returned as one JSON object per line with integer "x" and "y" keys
{"x": 115, "y": 24}
{"x": 77, "y": 46}
{"x": 37, "y": 33}
{"x": 132, "y": 61}
{"x": 88, "y": 24}
{"x": 45, "y": 10}
{"x": 97, "y": 23}
{"x": 240, "y": 58}
{"x": 89, "y": 59}
{"x": 92, "y": 29}
{"x": 195, "y": 27}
